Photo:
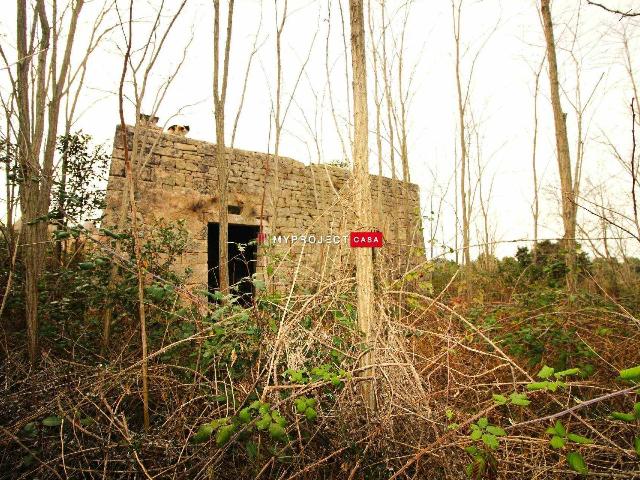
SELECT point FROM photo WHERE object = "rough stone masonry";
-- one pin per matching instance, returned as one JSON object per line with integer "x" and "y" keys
{"x": 176, "y": 178}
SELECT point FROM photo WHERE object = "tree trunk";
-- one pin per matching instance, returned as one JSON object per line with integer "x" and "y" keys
{"x": 222, "y": 159}
{"x": 562, "y": 149}
{"x": 536, "y": 202}
{"x": 33, "y": 115}
{"x": 364, "y": 259}
{"x": 466, "y": 258}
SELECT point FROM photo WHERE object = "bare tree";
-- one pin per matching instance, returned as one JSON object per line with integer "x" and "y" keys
{"x": 75, "y": 87}
{"x": 463, "y": 90}
{"x": 568, "y": 198}
{"x": 134, "y": 226}
{"x": 38, "y": 110}
{"x": 387, "y": 80}
{"x": 364, "y": 259}
{"x": 456, "y": 11}
{"x": 535, "y": 207}
{"x": 219, "y": 99}
{"x": 141, "y": 63}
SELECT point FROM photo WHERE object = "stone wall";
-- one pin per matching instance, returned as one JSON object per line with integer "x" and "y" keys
{"x": 176, "y": 178}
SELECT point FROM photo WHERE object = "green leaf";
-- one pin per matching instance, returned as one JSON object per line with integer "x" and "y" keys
{"x": 560, "y": 430}
{"x": 224, "y": 434}
{"x": 630, "y": 373}
{"x": 449, "y": 414}
{"x": 218, "y": 422}
{"x": 471, "y": 450}
{"x": 301, "y": 404}
{"x": 546, "y": 372}
{"x": 245, "y": 415}
{"x": 564, "y": 373}
{"x": 499, "y": 399}
{"x": 497, "y": 431}
{"x": 557, "y": 442}
{"x": 576, "y": 462}
{"x": 519, "y": 399}
{"x": 85, "y": 265}
{"x": 625, "y": 417}
{"x": 264, "y": 422}
{"x": 155, "y": 292}
{"x": 537, "y": 386}
{"x": 490, "y": 440}
{"x": 29, "y": 428}
{"x": 311, "y": 414}
{"x": 203, "y": 434}
{"x": 636, "y": 410}
{"x": 476, "y": 434}
{"x": 279, "y": 419}
{"x": 483, "y": 422}
{"x": 52, "y": 421}
{"x": 636, "y": 445}
{"x": 276, "y": 431}
{"x": 579, "y": 439}
{"x": 61, "y": 234}
{"x": 469, "y": 469}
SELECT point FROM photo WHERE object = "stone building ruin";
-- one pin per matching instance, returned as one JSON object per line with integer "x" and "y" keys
{"x": 176, "y": 178}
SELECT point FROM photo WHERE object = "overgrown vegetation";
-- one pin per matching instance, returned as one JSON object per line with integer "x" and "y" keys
{"x": 116, "y": 365}
{"x": 512, "y": 377}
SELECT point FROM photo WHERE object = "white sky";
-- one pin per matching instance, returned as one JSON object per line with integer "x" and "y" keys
{"x": 501, "y": 91}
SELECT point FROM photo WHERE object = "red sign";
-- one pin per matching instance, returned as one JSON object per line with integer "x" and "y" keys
{"x": 366, "y": 239}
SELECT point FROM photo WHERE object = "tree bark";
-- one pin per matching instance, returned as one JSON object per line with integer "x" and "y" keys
{"x": 33, "y": 115}
{"x": 364, "y": 258}
{"x": 219, "y": 97}
{"x": 466, "y": 258}
{"x": 569, "y": 210}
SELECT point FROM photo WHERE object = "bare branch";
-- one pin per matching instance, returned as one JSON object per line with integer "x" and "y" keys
{"x": 628, "y": 13}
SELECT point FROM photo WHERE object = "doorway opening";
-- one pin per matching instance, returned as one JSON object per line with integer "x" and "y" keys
{"x": 243, "y": 249}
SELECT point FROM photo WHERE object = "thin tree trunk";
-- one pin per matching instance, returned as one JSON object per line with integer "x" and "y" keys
{"x": 135, "y": 233}
{"x": 534, "y": 154}
{"x": 364, "y": 259}
{"x": 221, "y": 151}
{"x": 466, "y": 258}
{"x": 378, "y": 103}
{"x": 562, "y": 149}
{"x": 389, "y": 100}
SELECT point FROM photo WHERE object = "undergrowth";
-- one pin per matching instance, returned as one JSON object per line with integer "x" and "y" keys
{"x": 479, "y": 373}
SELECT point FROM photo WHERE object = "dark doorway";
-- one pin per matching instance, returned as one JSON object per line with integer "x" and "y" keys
{"x": 243, "y": 250}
